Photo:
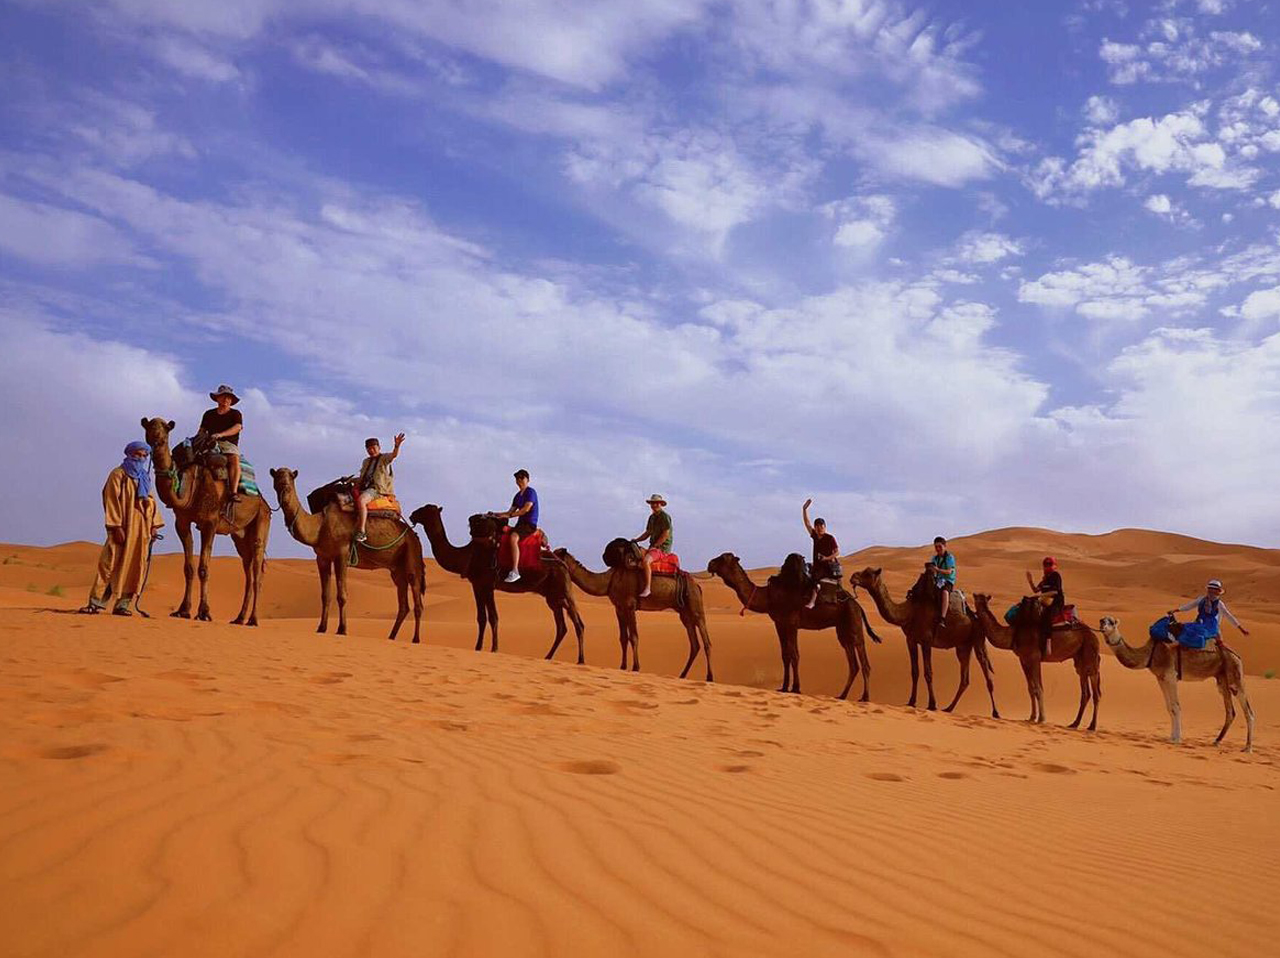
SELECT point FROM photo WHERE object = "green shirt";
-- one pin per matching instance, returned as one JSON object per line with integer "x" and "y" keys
{"x": 659, "y": 524}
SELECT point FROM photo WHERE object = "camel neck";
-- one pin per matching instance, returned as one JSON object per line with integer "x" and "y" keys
{"x": 301, "y": 524}
{"x": 1130, "y": 657}
{"x": 998, "y": 634}
{"x": 895, "y": 613}
{"x": 452, "y": 558}
{"x": 754, "y": 598}
{"x": 167, "y": 480}
{"x": 592, "y": 583}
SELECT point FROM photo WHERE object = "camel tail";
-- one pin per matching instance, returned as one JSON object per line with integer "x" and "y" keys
{"x": 866, "y": 624}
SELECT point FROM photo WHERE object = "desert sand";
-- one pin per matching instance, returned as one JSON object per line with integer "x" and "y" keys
{"x": 182, "y": 788}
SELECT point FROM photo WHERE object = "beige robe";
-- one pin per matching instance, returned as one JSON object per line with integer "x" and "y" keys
{"x": 122, "y": 568}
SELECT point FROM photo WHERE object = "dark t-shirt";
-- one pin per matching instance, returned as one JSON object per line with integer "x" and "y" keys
{"x": 527, "y": 494}
{"x": 1052, "y": 582}
{"x": 824, "y": 545}
{"x": 214, "y": 421}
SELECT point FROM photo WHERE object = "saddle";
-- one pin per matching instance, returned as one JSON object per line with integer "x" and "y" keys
{"x": 832, "y": 591}
{"x": 531, "y": 552}
{"x": 342, "y": 493}
{"x": 200, "y": 451}
{"x": 1065, "y": 619}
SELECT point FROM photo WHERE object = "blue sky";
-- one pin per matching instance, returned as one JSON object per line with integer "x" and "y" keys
{"x": 943, "y": 267}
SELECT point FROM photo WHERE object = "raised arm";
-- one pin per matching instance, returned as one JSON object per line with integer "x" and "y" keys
{"x": 396, "y": 451}
{"x": 804, "y": 512}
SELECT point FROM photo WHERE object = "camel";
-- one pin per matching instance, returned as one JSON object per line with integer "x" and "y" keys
{"x": 391, "y": 546}
{"x": 622, "y": 583}
{"x": 1170, "y": 662}
{"x": 786, "y": 607}
{"x": 198, "y": 498}
{"x": 916, "y": 617}
{"x": 1078, "y": 645}
{"x": 476, "y": 562}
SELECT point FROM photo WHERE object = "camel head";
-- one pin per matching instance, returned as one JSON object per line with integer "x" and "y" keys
{"x": 868, "y": 579}
{"x": 622, "y": 553}
{"x": 484, "y": 526}
{"x": 1109, "y": 626}
{"x": 282, "y": 479}
{"x": 420, "y": 515}
{"x": 157, "y": 431}
{"x": 722, "y": 564}
{"x": 982, "y": 601}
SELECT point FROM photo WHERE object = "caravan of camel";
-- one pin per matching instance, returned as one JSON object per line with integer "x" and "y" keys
{"x": 196, "y": 497}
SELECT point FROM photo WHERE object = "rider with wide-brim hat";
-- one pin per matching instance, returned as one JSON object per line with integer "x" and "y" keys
{"x": 658, "y": 531}
{"x": 223, "y": 425}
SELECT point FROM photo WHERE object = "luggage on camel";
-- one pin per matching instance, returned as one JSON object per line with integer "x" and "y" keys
{"x": 199, "y": 449}
{"x": 340, "y": 491}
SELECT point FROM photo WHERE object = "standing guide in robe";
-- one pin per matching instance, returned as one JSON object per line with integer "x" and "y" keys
{"x": 133, "y": 518}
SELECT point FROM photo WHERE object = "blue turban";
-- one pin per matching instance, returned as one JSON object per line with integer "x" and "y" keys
{"x": 139, "y": 470}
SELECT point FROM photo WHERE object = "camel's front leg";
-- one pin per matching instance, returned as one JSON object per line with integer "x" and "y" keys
{"x": 984, "y": 663}
{"x": 786, "y": 659}
{"x": 962, "y": 655}
{"x": 245, "y": 549}
{"x": 579, "y": 627}
{"x": 926, "y": 654}
{"x": 325, "y": 567}
{"x": 624, "y": 640}
{"x": 207, "y": 535}
{"x": 188, "y": 570}
{"x": 1169, "y": 688}
{"x": 913, "y": 650}
{"x": 633, "y": 630}
{"x": 1095, "y": 690}
{"x": 340, "y": 574}
{"x": 1029, "y": 673}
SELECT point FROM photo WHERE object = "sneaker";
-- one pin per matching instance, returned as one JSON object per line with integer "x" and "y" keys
{"x": 362, "y": 536}
{"x": 644, "y": 594}
{"x": 941, "y": 624}
{"x": 811, "y": 603}
{"x": 512, "y": 576}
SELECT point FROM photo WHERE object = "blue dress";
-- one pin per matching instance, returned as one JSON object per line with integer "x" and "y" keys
{"x": 1194, "y": 635}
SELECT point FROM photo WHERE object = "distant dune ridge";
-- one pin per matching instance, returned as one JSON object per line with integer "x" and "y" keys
{"x": 173, "y": 787}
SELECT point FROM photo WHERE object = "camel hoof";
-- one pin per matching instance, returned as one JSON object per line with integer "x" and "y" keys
{"x": 236, "y": 621}
{"x": 995, "y": 714}
{"x": 179, "y": 614}
{"x": 932, "y": 707}
{"x": 866, "y": 697}
{"x": 416, "y": 640}
{"x": 1075, "y": 724}
{"x": 252, "y": 622}
{"x": 204, "y": 617}
{"x": 582, "y": 661}
{"x": 949, "y": 709}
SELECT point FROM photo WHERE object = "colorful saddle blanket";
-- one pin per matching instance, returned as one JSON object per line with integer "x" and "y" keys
{"x": 664, "y": 563}
{"x": 531, "y": 550}
{"x": 1063, "y": 620}
{"x": 184, "y": 454}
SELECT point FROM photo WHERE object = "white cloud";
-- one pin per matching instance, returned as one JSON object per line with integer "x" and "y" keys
{"x": 195, "y": 61}
{"x": 982, "y": 248}
{"x": 1172, "y": 49}
{"x": 54, "y": 236}
{"x": 933, "y": 155}
{"x": 1261, "y": 305}
{"x": 1101, "y": 110}
{"x": 1159, "y": 204}
{"x": 863, "y": 221}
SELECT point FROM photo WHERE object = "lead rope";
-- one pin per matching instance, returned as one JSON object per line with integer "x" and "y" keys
{"x": 751, "y": 598}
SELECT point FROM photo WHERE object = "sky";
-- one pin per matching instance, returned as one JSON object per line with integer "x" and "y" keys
{"x": 943, "y": 267}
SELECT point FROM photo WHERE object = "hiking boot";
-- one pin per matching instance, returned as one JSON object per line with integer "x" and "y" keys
{"x": 512, "y": 577}
{"x": 362, "y": 537}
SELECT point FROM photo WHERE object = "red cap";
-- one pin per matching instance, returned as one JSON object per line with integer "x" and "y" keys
{"x": 1050, "y": 561}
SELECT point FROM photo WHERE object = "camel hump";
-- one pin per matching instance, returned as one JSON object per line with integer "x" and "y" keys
{"x": 621, "y": 552}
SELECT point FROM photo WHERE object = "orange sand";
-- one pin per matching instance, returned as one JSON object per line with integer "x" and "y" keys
{"x": 180, "y": 788}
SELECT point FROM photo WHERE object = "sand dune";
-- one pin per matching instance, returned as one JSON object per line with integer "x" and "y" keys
{"x": 181, "y": 788}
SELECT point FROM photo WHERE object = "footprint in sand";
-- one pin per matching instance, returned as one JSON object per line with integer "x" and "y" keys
{"x": 885, "y": 777}
{"x": 735, "y": 768}
{"x": 592, "y": 766}
{"x": 1053, "y": 769}
{"x": 71, "y": 751}
{"x": 952, "y": 775}
{"x": 329, "y": 678}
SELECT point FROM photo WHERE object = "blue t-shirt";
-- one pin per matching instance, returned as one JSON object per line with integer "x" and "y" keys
{"x": 527, "y": 494}
{"x": 944, "y": 568}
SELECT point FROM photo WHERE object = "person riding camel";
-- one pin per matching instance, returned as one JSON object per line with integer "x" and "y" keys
{"x": 524, "y": 509}
{"x": 1050, "y": 584}
{"x": 223, "y": 425}
{"x": 943, "y": 568}
{"x": 658, "y": 531}
{"x": 1208, "y": 607}
{"x": 376, "y": 479}
{"x": 133, "y": 519}
{"x": 826, "y": 553}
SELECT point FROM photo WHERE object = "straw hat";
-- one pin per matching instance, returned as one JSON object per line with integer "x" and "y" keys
{"x": 656, "y": 498}
{"x": 224, "y": 390}
{"x": 1215, "y": 584}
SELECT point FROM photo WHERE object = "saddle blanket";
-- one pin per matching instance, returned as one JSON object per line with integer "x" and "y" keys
{"x": 664, "y": 563}
{"x": 1063, "y": 620}
{"x": 184, "y": 454}
{"x": 531, "y": 549}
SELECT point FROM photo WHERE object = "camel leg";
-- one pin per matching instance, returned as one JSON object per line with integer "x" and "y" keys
{"x": 245, "y": 549}
{"x": 188, "y": 570}
{"x": 1248, "y": 717}
{"x": 325, "y": 566}
{"x": 984, "y": 663}
{"x": 793, "y": 645}
{"x": 690, "y": 627}
{"x": 557, "y": 613}
{"x": 962, "y": 656}
{"x": 1031, "y": 687}
{"x": 207, "y": 535}
{"x": 1037, "y": 670}
{"x": 482, "y": 614}
{"x": 1229, "y": 707}
{"x": 847, "y": 643}
{"x": 579, "y": 627}
{"x": 340, "y": 573}
{"x": 259, "y": 573}
{"x": 915, "y": 671}
{"x": 623, "y": 638}
{"x": 1169, "y": 688}
{"x": 1095, "y": 689}
{"x": 633, "y": 630}
{"x": 492, "y": 603}
{"x": 786, "y": 661}
{"x": 926, "y": 654}
{"x": 860, "y": 647}
{"x": 418, "y": 582}
{"x": 1084, "y": 693}
{"x": 402, "y": 601}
